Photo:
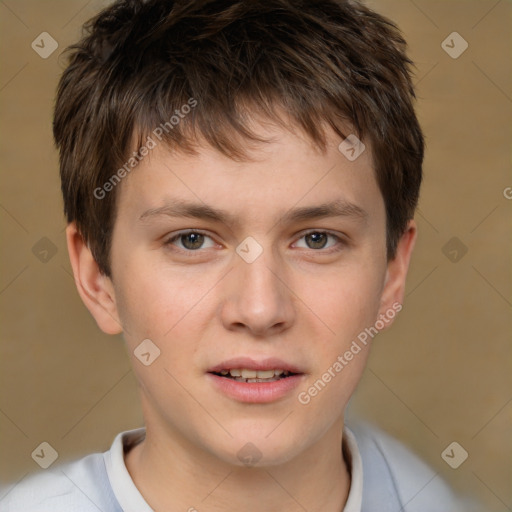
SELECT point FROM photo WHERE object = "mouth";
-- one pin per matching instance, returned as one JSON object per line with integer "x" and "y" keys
{"x": 251, "y": 376}
{"x": 247, "y": 380}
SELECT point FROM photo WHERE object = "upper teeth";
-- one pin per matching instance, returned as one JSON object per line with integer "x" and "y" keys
{"x": 253, "y": 374}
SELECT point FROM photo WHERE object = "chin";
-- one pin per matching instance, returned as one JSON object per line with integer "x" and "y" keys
{"x": 258, "y": 449}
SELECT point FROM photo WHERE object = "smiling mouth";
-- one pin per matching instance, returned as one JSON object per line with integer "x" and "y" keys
{"x": 250, "y": 376}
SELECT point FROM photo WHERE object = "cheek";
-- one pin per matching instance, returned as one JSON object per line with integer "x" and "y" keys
{"x": 161, "y": 308}
{"x": 344, "y": 302}
{"x": 157, "y": 302}
{"x": 343, "y": 310}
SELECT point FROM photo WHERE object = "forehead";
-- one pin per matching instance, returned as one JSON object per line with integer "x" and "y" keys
{"x": 286, "y": 175}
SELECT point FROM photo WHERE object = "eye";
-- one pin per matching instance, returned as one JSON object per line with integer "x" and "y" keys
{"x": 193, "y": 241}
{"x": 319, "y": 240}
{"x": 190, "y": 240}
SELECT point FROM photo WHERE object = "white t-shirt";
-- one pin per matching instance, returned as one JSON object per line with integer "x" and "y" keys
{"x": 385, "y": 477}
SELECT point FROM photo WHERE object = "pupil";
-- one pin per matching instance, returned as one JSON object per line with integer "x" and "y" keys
{"x": 195, "y": 238}
{"x": 319, "y": 240}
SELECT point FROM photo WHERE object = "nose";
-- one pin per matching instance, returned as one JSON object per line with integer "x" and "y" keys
{"x": 257, "y": 298}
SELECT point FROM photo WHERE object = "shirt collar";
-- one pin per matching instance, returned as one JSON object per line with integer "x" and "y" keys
{"x": 355, "y": 464}
{"x": 131, "y": 500}
{"x": 124, "y": 489}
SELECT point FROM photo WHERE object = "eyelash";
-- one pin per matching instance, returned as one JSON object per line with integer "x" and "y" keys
{"x": 341, "y": 243}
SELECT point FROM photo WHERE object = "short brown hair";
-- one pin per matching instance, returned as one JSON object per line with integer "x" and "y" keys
{"x": 326, "y": 63}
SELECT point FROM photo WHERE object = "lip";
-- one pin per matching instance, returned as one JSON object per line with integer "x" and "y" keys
{"x": 271, "y": 363}
{"x": 256, "y": 392}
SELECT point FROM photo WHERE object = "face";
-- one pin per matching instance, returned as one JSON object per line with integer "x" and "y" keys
{"x": 270, "y": 269}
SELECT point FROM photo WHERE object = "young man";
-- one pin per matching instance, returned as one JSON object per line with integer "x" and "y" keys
{"x": 240, "y": 179}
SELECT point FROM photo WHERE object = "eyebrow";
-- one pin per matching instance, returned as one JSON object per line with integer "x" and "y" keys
{"x": 181, "y": 208}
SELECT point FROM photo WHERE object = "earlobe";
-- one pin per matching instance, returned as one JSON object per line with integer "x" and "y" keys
{"x": 95, "y": 289}
{"x": 396, "y": 273}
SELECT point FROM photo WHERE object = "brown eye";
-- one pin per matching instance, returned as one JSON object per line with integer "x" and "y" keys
{"x": 190, "y": 241}
{"x": 317, "y": 240}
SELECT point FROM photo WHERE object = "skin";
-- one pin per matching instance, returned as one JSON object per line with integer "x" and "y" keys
{"x": 298, "y": 301}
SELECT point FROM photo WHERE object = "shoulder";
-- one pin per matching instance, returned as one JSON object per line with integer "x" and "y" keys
{"x": 395, "y": 477}
{"x": 77, "y": 486}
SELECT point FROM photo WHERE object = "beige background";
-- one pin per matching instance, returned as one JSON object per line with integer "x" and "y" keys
{"x": 442, "y": 374}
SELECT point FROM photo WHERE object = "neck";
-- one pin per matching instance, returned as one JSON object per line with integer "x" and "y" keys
{"x": 184, "y": 477}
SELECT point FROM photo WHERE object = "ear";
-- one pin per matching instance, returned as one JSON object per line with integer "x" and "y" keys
{"x": 396, "y": 273}
{"x": 95, "y": 288}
